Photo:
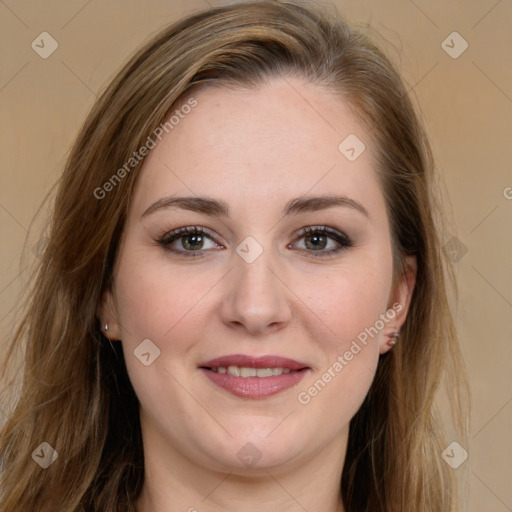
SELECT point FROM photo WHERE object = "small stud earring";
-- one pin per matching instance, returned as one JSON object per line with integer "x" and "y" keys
{"x": 394, "y": 337}
{"x": 106, "y": 327}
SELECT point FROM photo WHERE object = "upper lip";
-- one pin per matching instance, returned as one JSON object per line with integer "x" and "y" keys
{"x": 241, "y": 360}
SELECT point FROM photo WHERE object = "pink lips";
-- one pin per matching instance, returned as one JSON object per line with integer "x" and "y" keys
{"x": 254, "y": 387}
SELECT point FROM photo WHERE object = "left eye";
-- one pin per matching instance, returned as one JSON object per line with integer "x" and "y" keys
{"x": 316, "y": 240}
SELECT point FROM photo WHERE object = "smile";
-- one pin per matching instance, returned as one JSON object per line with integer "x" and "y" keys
{"x": 255, "y": 378}
{"x": 245, "y": 371}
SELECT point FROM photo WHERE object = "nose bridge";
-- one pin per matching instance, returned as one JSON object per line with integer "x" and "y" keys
{"x": 256, "y": 298}
{"x": 254, "y": 276}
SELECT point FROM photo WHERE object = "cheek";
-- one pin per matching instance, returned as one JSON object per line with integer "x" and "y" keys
{"x": 167, "y": 308}
{"x": 345, "y": 320}
{"x": 154, "y": 303}
{"x": 347, "y": 301}
{"x": 328, "y": 400}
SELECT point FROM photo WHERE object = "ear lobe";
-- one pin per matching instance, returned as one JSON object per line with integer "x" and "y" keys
{"x": 108, "y": 317}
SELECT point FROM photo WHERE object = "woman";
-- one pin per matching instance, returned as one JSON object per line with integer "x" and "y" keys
{"x": 243, "y": 301}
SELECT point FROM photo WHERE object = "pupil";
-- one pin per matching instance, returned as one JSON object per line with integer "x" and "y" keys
{"x": 318, "y": 239}
{"x": 197, "y": 239}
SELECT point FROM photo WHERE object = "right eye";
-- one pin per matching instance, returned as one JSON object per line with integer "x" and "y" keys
{"x": 191, "y": 239}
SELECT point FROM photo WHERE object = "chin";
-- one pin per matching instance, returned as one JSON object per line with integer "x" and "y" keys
{"x": 257, "y": 448}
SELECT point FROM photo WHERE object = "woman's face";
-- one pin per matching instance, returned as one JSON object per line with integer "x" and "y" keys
{"x": 258, "y": 167}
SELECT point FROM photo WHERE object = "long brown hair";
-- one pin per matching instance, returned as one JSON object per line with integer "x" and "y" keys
{"x": 75, "y": 393}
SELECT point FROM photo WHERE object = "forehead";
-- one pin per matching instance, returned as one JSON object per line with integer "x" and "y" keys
{"x": 279, "y": 140}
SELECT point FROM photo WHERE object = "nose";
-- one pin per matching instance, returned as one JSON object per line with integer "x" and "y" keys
{"x": 257, "y": 299}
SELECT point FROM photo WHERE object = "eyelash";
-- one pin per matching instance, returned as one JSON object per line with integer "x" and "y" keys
{"x": 342, "y": 239}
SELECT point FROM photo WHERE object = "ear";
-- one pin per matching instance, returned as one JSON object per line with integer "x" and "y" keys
{"x": 399, "y": 301}
{"x": 107, "y": 316}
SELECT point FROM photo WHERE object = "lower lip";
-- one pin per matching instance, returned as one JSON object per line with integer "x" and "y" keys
{"x": 255, "y": 387}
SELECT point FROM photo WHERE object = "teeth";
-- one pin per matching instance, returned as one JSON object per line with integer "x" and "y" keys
{"x": 249, "y": 372}
{"x": 264, "y": 372}
{"x": 243, "y": 371}
{"x": 234, "y": 370}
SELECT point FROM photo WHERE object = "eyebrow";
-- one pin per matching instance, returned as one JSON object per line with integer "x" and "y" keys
{"x": 214, "y": 207}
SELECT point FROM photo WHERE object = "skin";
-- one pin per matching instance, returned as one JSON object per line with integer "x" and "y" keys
{"x": 270, "y": 144}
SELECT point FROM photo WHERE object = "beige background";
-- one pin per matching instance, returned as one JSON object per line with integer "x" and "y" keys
{"x": 466, "y": 103}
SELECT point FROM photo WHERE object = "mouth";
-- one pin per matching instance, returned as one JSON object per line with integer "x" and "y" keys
{"x": 250, "y": 377}
{"x": 246, "y": 371}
